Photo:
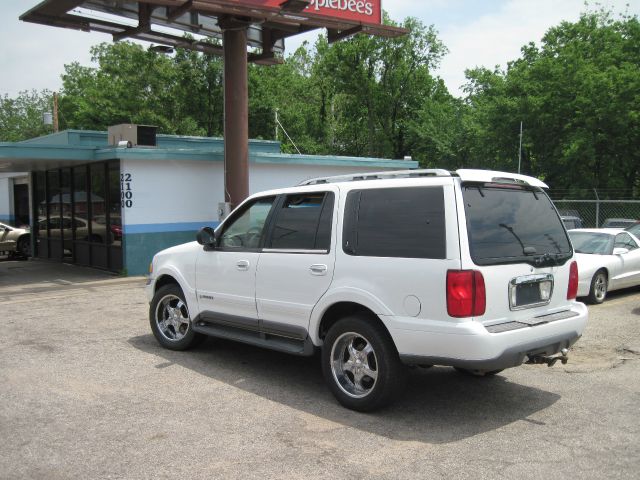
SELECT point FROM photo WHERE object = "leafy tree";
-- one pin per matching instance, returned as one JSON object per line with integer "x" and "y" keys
{"x": 130, "y": 85}
{"x": 578, "y": 95}
{"x": 379, "y": 86}
{"x": 21, "y": 117}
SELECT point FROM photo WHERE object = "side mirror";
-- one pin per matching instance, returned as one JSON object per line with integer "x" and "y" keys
{"x": 620, "y": 251}
{"x": 207, "y": 237}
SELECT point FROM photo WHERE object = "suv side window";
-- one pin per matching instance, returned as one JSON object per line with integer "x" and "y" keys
{"x": 395, "y": 222}
{"x": 303, "y": 222}
{"x": 245, "y": 231}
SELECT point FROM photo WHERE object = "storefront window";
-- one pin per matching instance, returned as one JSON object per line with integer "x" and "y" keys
{"x": 67, "y": 214}
{"x": 78, "y": 215}
{"x": 53, "y": 203}
{"x": 81, "y": 205}
{"x": 98, "y": 229}
{"x": 115, "y": 218}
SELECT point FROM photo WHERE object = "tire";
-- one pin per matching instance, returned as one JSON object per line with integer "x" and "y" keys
{"x": 23, "y": 247}
{"x": 478, "y": 373}
{"x": 599, "y": 287}
{"x": 170, "y": 320}
{"x": 361, "y": 365}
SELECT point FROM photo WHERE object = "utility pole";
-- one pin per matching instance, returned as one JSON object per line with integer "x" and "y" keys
{"x": 520, "y": 149}
{"x": 55, "y": 112}
{"x": 277, "y": 122}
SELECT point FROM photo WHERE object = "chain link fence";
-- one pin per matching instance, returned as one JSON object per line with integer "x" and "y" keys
{"x": 599, "y": 213}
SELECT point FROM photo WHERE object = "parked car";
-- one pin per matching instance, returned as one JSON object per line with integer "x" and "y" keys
{"x": 571, "y": 222}
{"x": 115, "y": 224}
{"x": 81, "y": 225}
{"x": 619, "y": 223}
{"x": 608, "y": 259}
{"x": 470, "y": 269}
{"x": 15, "y": 241}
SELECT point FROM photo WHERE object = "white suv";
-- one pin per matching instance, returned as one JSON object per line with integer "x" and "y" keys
{"x": 471, "y": 269}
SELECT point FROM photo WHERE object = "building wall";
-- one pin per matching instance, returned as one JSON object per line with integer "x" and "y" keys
{"x": 169, "y": 201}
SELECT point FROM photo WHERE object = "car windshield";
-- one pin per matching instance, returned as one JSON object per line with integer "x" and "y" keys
{"x": 592, "y": 242}
{"x": 634, "y": 230}
{"x": 509, "y": 224}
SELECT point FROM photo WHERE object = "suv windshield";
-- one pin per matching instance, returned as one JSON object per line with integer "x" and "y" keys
{"x": 509, "y": 224}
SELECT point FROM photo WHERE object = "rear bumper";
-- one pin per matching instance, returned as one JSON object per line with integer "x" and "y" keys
{"x": 470, "y": 345}
{"x": 511, "y": 357}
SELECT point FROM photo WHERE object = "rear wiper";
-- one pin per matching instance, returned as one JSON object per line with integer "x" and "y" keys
{"x": 550, "y": 259}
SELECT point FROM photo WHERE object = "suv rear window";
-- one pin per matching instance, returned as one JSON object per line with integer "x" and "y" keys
{"x": 509, "y": 224}
{"x": 395, "y": 222}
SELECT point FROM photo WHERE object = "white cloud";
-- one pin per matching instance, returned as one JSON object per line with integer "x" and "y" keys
{"x": 33, "y": 56}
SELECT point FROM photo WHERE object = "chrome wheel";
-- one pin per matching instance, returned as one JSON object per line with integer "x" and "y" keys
{"x": 354, "y": 365}
{"x": 172, "y": 318}
{"x": 600, "y": 287}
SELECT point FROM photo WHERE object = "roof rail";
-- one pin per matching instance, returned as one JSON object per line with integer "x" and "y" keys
{"x": 355, "y": 177}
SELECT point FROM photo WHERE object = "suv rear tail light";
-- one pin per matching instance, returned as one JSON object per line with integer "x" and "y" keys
{"x": 466, "y": 295}
{"x": 572, "y": 291}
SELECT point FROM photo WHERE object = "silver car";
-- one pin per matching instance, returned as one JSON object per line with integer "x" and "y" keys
{"x": 15, "y": 241}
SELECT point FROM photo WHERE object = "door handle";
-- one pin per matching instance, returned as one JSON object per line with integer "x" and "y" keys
{"x": 318, "y": 269}
{"x": 243, "y": 265}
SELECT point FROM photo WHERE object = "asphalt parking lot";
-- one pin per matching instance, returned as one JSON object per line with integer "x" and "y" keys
{"x": 85, "y": 392}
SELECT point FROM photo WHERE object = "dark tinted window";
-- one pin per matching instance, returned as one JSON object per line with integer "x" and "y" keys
{"x": 303, "y": 222}
{"x": 395, "y": 222}
{"x": 511, "y": 224}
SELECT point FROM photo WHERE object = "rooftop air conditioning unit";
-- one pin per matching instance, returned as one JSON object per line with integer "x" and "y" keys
{"x": 134, "y": 135}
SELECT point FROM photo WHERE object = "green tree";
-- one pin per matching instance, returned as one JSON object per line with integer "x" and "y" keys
{"x": 21, "y": 117}
{"x": 379, "y": 86}
{"x": 130, "y": 85}
{"x": 578, "y": 94}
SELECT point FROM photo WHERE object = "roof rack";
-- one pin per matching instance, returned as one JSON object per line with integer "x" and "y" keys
{"x": 355, "y": 177}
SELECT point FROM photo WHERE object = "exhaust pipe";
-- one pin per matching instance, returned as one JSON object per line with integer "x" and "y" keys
{"x": 550, "y": 360}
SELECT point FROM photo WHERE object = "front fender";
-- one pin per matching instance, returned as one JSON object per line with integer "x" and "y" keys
{"x": 187, "y": 286}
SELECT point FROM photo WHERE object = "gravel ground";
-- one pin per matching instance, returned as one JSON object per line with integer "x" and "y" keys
{"x": 86, "y": 392}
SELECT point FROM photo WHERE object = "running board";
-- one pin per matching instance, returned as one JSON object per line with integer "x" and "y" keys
{"x": 293, "y": 346}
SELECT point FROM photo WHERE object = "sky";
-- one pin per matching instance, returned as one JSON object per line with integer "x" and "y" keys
{"x": 486, "y": 33}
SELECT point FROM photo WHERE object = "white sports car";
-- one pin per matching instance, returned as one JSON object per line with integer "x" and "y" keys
{"x": 608, "y": 259}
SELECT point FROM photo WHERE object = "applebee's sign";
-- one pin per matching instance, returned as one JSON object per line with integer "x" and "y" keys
{"x": 368, "y": 11}
{"x": 365, "y": 11}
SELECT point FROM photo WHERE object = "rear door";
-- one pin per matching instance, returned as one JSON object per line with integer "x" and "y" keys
{"x": 517, "y": 240}
{"x": 296, "y": 266}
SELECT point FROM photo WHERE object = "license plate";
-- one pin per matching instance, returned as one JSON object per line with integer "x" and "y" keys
{"x": 530, "y": 291}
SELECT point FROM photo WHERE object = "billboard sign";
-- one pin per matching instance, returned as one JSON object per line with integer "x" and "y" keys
{"x": 365, "y": 11}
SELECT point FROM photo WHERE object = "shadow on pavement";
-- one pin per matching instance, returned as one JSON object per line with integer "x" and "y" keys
{"x": 439, "y": 405}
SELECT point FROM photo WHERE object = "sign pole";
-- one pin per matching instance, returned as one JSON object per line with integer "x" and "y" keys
{"x": 236, "y": 111}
